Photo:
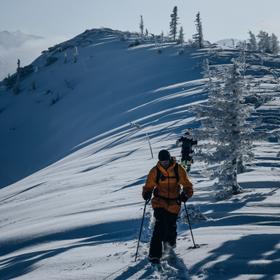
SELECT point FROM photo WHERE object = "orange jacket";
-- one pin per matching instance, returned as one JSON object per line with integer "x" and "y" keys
{"x": 168, "y": 189}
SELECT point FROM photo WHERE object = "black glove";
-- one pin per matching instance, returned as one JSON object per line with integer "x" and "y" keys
{"x": 147, "y": 195}
{"x": 183, "y": 197}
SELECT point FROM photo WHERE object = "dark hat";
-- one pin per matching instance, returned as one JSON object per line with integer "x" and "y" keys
{"x": 164, "y": 155}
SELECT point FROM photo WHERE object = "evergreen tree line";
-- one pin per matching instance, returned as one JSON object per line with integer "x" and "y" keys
{"x": 176, "y": 34}
{"x": 263, "y": 42}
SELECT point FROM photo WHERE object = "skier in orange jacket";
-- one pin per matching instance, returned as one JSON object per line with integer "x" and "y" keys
{"x": 170, "y": 185}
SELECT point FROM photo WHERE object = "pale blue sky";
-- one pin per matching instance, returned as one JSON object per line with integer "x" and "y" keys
{"x": 67, "y": 18}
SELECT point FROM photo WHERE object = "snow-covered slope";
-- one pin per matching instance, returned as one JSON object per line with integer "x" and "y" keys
{"x": 78, "y": 216}
{"x": 109, "y": 86}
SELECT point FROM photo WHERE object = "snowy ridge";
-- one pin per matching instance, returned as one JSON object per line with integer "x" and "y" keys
{"x": 77, "y": 213}
{"x": 106, "y": 70}
{"x": 229, "y": 43}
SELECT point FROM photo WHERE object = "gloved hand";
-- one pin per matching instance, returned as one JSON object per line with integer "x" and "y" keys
{"x": 147, "y": 195}
{"x": 183, "y": 197}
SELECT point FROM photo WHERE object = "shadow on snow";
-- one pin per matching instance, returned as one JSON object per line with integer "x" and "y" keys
{"x": 242, "y": 257}
{"x": 93, "y": 235}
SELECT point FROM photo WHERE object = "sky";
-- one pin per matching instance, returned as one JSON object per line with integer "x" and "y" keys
{"x": 67, "y": 18}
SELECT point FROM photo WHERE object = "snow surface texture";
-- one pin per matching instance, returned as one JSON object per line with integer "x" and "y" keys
{"x": 73, "y": 167}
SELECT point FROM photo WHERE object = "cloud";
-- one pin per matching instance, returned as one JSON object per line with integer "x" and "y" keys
{"x": 27, "y": 53}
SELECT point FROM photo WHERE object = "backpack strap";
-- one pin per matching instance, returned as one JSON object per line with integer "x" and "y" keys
{"x": 176, "y": 171}
{"x": 158, "y": 175}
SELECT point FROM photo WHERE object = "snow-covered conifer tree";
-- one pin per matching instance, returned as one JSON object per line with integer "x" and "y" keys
{"x": 161, "y": 39}
{"x": 65, "y": 57}
{"x": 252, "y": 44}
{"x": 226, "y": 135}
{"x": 76, "y": 54}
{"x": 181, "y": 36}
{"x": 16, "y": 88}
{"x": 173, "y": 23}
{"x": 141, "y": 25}
{"x": 198, "y": 37}
{"x": 264, "y": 42}
{"x": 146, "y": 33}
{"x": 158, "y": 43}
{"x": 274, "y": 44}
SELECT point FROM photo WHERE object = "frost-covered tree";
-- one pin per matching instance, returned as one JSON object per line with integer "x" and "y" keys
{"x": 198, "y": 36}
{"x": 76, "y": 54}
{"x": 181, "y": 38}
{"x": 226, "y": 135}
{"x": 16, "y": 88}
{"x": 141, "y": 25}
{"x": 65, "y": 57}
{"x": 252, "y": 44}
{"x": 162, "y": 36}
{"x": 264, "y": 42}
{"x": 146, "y": 33}
{"x": 173, "y": 23}
{"x": 159, "y": 39}
{"x": 274, "y": 44}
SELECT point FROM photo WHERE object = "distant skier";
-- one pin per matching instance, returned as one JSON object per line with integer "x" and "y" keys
{"x": 169, "y": 184}
{"x": 187, "y": 143}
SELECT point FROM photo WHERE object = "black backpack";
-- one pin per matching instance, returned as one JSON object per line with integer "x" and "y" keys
{"x": 162, "y": 177}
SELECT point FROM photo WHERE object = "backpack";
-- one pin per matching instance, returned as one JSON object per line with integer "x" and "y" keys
{"x": 162, "y": 177}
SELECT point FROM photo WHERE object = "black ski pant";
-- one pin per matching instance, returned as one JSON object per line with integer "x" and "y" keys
{"x": 186, "y": 156}
{"x": 165, "y": 231}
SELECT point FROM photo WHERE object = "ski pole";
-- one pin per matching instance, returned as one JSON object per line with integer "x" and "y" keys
{"x": 146, "y": 202}
{"x": 188, "y": 217}
{"x": 151, "y": 150}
